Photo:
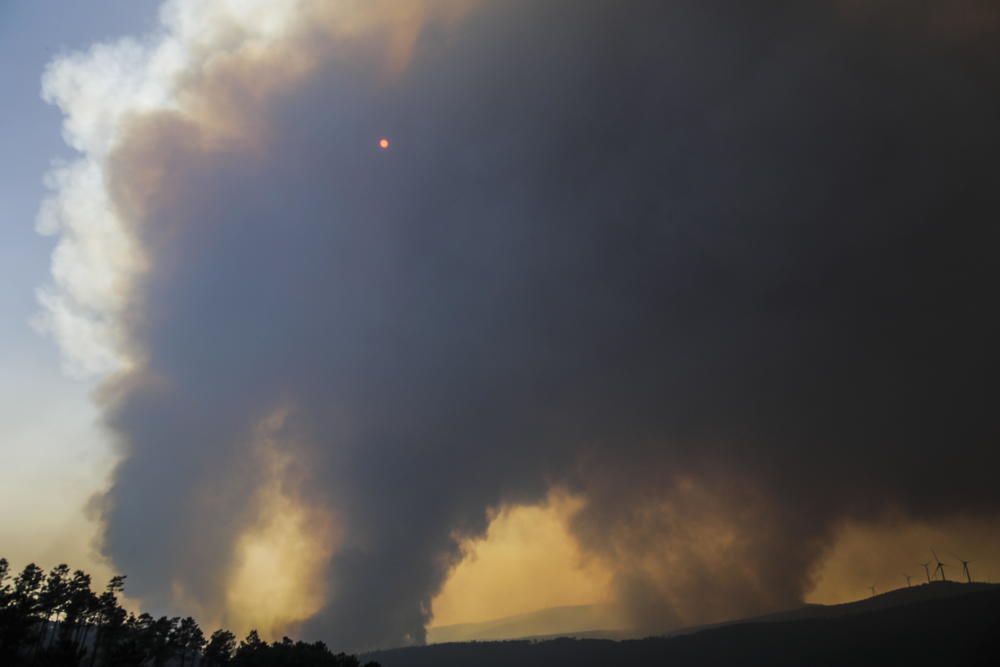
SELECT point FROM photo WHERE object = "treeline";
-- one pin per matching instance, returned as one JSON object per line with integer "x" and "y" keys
{"x": 54, "y": 619}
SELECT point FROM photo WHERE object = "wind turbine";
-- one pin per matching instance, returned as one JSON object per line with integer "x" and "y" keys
{"x": 940, "y": 566}
{"x": 927, "y": 569}
{"x": 872, "y": 590}
{"x": 965, "y": 568}
{"x": 908, "y": 583}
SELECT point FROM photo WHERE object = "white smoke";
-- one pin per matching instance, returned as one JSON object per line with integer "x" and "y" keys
{"x": 98, "y": 90}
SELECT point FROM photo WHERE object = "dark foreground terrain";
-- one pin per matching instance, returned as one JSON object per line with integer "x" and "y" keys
{"x": 939, "y": 624}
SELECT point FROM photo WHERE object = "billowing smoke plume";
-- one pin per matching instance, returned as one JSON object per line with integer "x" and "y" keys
{"x": 726, "y": 272}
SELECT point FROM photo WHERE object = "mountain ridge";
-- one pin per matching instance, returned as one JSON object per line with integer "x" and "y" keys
{"x": 954, "y": 624}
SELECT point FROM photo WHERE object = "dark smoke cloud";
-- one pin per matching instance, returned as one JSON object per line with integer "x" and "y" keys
{"x": 727, "y": 271}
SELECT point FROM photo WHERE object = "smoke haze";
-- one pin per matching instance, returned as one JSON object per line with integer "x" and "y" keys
{"x": 724, "y": 273}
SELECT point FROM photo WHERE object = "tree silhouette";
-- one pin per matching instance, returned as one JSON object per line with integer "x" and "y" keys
{"x": 190, "y": 639}
{"x": 110, "y": 617}
{"x": 220, "y": 648}
{"x": 54, "y": 619}
{"x": 249, "y": 649}
{"x": 80, "y": 603}
{"x": 24, "y": 607}
{"x": 53, "y": 600}
{"x": 253, "y": 652}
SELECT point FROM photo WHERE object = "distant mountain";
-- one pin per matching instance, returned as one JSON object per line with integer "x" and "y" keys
{"x": 940, "y": 624}
{"x": 575, "y": 621}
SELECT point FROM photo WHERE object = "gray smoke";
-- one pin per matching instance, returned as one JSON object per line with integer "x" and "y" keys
{"x": 726, "y": 271}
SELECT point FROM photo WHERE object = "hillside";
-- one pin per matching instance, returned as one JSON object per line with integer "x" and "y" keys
{"x": 951, "y": 624}
{"x": 935, "y": 590}
{"x": 575, "y": 620}
{"x": 601, "y": 621}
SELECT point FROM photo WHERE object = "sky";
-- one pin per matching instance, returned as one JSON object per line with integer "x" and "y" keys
{"x": 677, "y": 308}
{"x": 54, "y": 455}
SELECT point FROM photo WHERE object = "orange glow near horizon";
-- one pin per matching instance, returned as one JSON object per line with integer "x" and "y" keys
{"x": 383, "y": 143}
{"x": 884, "y": 551}
{"x": 530, "y": 561}
{"x": 278, "y": 561}
{"x": 527, "y": 561}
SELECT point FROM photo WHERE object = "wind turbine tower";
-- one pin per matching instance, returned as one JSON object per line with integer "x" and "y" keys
{"x": 965, "y": 569}
{"x": 927, "y": 569}
{"x": 940, "y": 566}
{"x": 908, "y": 582}
{"x": 872, "y": 590}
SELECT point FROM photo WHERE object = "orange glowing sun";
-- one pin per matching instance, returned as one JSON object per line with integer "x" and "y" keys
{"x": 383, "y": 143}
